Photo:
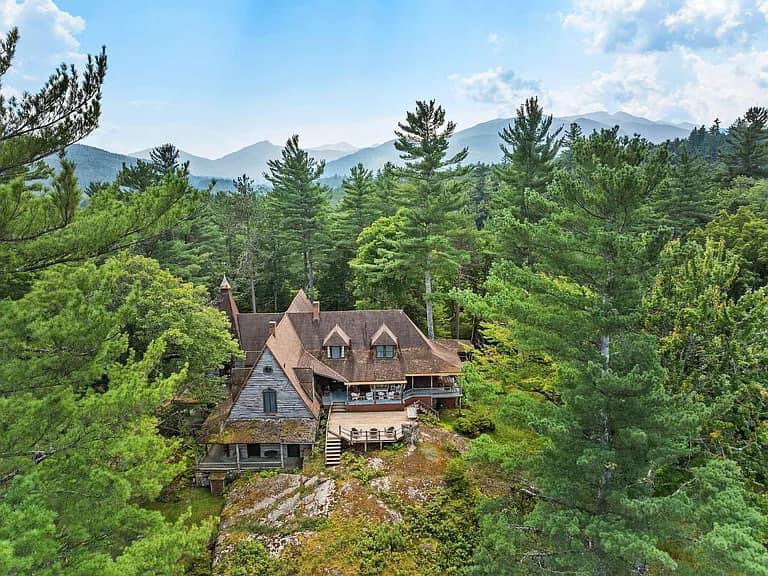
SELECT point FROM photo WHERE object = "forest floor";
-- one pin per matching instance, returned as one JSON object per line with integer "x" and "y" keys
{"x": 401, "y": 510}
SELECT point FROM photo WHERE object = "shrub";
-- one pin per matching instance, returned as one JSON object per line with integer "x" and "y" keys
{"x": 250, "y": 557}
{"x": 456, "y": 476}
{"x": 473, "y": 423}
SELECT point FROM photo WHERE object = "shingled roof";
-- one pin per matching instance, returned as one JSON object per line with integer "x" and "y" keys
{"x": 302, "y": 333}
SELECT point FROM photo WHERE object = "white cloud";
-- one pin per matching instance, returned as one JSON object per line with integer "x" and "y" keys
{"x": 681, "y": 85}
{"x": 662, "y": 25}
{"x": 48, "y": 36}
{"x": 502, "y": 88}
{"x": 495, "y": 42}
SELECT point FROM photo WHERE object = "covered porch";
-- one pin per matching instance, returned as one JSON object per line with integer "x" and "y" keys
{"x": 391, "y": 393}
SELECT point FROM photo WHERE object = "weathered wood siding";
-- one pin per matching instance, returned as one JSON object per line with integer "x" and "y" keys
{"x": 250, "y": 403}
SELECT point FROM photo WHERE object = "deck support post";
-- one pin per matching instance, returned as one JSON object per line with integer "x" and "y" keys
{"x": 282, "y": 459}
{"x": 237, "y": 456}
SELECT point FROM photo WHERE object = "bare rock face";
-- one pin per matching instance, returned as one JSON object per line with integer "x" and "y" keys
{"x": 276, "y": 511}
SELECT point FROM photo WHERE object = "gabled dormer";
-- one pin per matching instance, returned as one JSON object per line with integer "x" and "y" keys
{"x": 384, "y": 343}
{"x": 336, "y": 343}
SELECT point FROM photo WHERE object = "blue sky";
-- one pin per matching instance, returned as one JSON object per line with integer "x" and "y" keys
{"x": 215, "y": 76}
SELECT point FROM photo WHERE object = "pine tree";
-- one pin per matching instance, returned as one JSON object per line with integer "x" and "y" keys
{"x": 686, "y": 201}
{"x": 36, "y": 125}
{"x": 579, "y": 304}
{"x": 300, "y": 204}
{"x": 746, "y": 153}
{"x": 165, "y": 158}
{"x": 713, "y": 350}
{"x": 89, "y": 357}
{"x": 530, "y": 149}
{"x": 357, "y": 209}
{"x": 434, "y": 196}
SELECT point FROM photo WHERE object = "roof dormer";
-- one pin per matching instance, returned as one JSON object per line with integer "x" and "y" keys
{"x": 383, "y": 337}
{"x": 384, "y": 342}
{"x": 336, "y": 343}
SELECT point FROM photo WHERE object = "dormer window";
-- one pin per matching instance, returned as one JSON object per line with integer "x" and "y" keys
{"x": 336, "y": 343}
{"x": 385, "y": 351}
{"x": 335, "y": 352}
{"x": 384, "y": 342}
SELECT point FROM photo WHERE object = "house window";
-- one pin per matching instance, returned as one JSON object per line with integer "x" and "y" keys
{"x": 267, "y": 369}
{"x": 270, "y": 401}
{"x": 335, "y": 351}
{"x": 293, "y": 451}
{"x": 385, "y": 351}
{"x": 254, "y": 450}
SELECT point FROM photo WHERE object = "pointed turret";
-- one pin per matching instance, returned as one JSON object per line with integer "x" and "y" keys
{"x": 228, "y": 306}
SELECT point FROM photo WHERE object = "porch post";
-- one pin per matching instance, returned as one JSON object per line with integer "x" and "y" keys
{"x": 282, "y": 458}
{"x": 237, "y": 456}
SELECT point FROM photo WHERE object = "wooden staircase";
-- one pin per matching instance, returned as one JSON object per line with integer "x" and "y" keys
{"x": 421, "y": 407}
{"x": 332, "y": 441}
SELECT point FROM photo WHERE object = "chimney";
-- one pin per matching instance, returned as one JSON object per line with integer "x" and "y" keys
{"x": 316, "y": 311}
{"x": 272, "y": 326}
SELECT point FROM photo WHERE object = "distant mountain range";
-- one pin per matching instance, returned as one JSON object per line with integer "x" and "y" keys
{"x": 95, "y": 164}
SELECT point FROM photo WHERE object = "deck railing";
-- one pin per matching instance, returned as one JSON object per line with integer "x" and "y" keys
{"x": 369, "y": 436}
{"x": 244, "y": 464}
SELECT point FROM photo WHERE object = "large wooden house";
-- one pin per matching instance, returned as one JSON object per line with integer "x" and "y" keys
{"x": 368, "y": 369}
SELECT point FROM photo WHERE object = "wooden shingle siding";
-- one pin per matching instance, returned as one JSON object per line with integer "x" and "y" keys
{"x": 250, "y": 403}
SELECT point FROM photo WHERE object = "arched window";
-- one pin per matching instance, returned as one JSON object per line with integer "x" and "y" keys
{"x": 270, "y": 401}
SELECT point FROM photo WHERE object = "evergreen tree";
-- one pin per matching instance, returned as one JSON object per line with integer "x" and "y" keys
{"x": 713, "y": 349}
{"x": 357, "y": 207}
{"x": 165, "y": 159}
{"x": 746, "y": 153}
{"x": 433, "y": 195}
{"x": 356, "y": 210}
{"x": 36, "y": 125}
{"x": 686, "y": 201}
{"x": 530, "y": 149}
{"x": 88, "y": 358}
{"x": 300, "y": 204}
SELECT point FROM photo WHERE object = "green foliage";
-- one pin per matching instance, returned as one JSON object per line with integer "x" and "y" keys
{"x": 357, "y": 467}
{"x": 746, "y": 234}
{"x": 529, "y": 161}
{"x": 712, "y": 345}
{"x": 686, "y": 200}
{"x": 250, "y": 557}
{"x": 580, "y": 305}
{"x": 35, "y": 125}
{"x": 356, "y": 210}
{"x": 300, "y": 204}
{"x": 434, "y": 196}
{"x": 472, "y": 423}
{"x": 746, "y": 151}
{"x": 377, "y": 545}
{"x": 89, "y": 355}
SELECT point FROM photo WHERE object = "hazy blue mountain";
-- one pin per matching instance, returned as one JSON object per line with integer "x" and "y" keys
{"x": 96, "y": 165}
{"x": 483, "y": 139}
{"x": 251, "y": 160}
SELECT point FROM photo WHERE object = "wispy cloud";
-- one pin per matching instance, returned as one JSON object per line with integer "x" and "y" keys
{"x": 500, "y": 87}
{"x": 662, "y": 25}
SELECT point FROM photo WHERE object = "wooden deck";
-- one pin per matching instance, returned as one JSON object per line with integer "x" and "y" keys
{"x": 357, "y": 427}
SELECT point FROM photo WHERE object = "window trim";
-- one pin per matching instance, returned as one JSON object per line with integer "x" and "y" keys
{"x": 269, "y": 393}
{"x": 387, "y": 351}
{"x": 329, "y": 352}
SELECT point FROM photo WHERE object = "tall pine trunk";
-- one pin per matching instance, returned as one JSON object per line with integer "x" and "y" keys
{"x": 309, "y": 274}
{"x": 253, "y": 286}
{"x": 428, "y": 300}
